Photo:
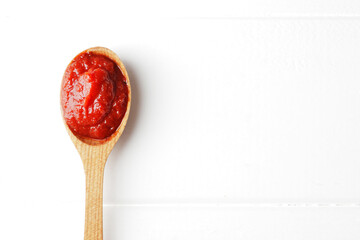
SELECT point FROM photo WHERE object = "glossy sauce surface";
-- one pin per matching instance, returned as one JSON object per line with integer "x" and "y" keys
{"x": 94, "y": 96}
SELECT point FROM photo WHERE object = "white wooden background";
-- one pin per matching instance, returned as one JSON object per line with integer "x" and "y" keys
{"x": 245, "y": 122}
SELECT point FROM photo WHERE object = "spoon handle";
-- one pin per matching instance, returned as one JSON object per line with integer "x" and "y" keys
{"x": 94, "y": 173}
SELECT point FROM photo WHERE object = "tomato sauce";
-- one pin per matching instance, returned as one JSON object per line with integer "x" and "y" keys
{"x": 94, "y": 96}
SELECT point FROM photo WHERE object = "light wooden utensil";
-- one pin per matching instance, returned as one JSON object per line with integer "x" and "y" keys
{"x": 94, "y": 154}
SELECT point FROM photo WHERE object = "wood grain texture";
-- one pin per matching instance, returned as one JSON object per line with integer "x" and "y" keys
{"x": 94, "y": 154}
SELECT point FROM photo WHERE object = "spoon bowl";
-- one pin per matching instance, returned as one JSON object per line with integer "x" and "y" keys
{"x": 94, "y": 154}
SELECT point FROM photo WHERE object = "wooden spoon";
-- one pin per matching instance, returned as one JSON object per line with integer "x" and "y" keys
{"x": 94, "y": 154}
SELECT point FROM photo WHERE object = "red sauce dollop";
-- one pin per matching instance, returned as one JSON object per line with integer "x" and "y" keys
{"x": 94, "y": 96}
